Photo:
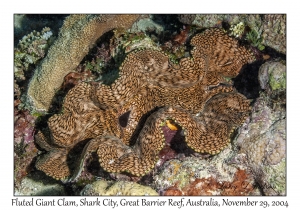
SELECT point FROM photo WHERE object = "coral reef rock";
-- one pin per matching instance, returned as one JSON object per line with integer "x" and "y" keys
{"x": 212, "y": 176}
{"x": 102, "y": 187}
{"x": 24, "y": 147}
{"x": 31, "y": 49}
{"x": 146, "y": 24}
{"x": 262, "y": 138}
{"x": 26, "y": 23}
{"x": 77, "y": 35}
{"x": 269, "y": 29}
{"x": 272, "y": 77}
{"x": 123, "y": 121}
{"x": 274, "y": 32}
{"x": 39, "y": 188}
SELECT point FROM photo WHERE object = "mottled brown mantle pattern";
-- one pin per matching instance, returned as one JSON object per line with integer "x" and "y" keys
{"x": 193, "y": 94}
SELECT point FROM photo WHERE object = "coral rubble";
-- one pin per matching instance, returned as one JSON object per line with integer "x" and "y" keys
{"x": 124, "y": 120}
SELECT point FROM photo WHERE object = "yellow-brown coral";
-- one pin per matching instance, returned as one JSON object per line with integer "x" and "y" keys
{"x": 77, "y": 35}
{"x": 192, "y": 94}
{"x": 121, "y": 188}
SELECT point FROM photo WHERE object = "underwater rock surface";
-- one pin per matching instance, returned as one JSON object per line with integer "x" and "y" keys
{"x": 32, "y": 187}
{"x": 268, "y": 30}
{"x": 205, "y": 176}
{"x": 263, "y": 137}
{"x": 120, "y": 188}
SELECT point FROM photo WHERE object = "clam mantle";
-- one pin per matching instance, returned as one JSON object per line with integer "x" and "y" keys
{"x": 123, "y": 121}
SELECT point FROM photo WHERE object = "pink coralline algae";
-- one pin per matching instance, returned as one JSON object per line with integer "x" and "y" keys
{"x": 24, "y": 147}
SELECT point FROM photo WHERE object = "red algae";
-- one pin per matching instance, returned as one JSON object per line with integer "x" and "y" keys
{"x": 211, "y": 186}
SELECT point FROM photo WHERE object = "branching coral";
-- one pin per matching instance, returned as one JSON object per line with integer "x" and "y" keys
{"x": 192, "y": 94}
{"x": 30, "y": 50}
{"x": 77, "y": 35}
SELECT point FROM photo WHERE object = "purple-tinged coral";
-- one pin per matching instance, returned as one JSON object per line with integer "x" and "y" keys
{"x": 242, "y": 184}
{"x": 210, "y": 176}
{"x": 262, "y": 138}
{"x": 24, "y": 147}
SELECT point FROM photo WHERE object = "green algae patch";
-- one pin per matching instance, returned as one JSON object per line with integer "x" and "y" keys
{"x": 276, "y": 176}
{"x": 277, "y": 80}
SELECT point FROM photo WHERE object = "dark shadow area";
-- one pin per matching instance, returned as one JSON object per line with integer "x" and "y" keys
{"x": 179, "y": 145}
{"x": 171, "y": 26}
{"x": 247, "y": 82}
{"x": 140, "y": 126}
{"x": 274, "y": 54}
{"x": 91, "y": 163}
{"x": 75, "y": 154}
{"x": 123, "y": 119}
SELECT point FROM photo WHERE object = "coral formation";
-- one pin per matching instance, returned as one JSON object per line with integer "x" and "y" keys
{"x": 187, "y": 19}
{"x": 24, "y": 147}
{"x": 237, "y": 30}
{"x": 274, "y": 31}
{"x": 273, "y": 76}
{"x": 262, "y": 138}
{"x": 205, "y": 176}
{"x": 27, "y": 23}
{"x": 146, "y": 24}
{"x": 241, "y": 185}
{"x": 31, "y": 48}
{"x": 265, "y": 29}
{"x": 193, "y": 94}
{"x": 77, "y": 35}
{"x": 102, "y": 187}
{"x": 31, "y": 187}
